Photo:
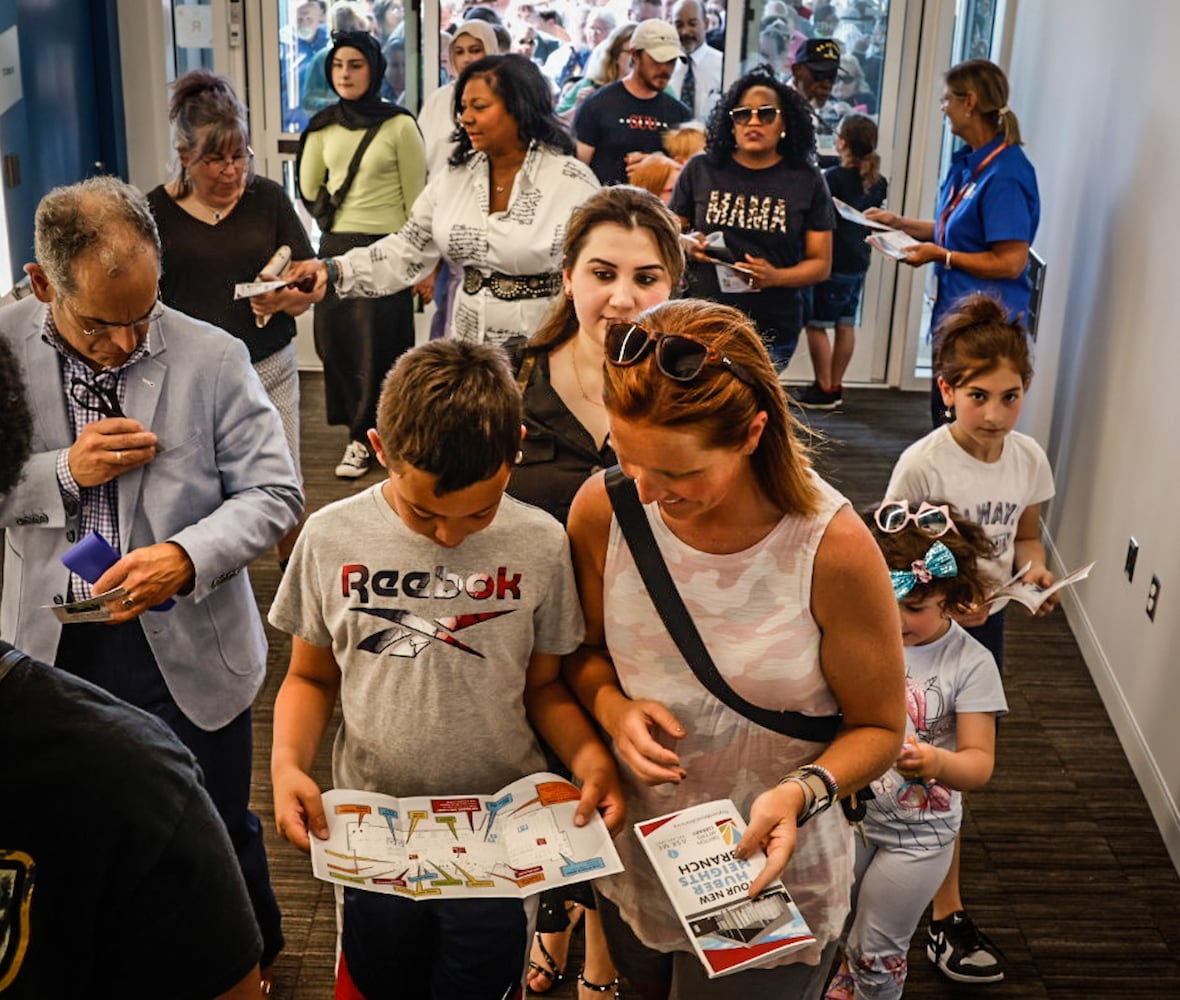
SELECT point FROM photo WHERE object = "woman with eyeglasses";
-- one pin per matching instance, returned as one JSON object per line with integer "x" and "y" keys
{"x": 759, "y": 212}
{"x": 220, "y": 224}
{"x": 766, "y": 557}
{"x": 988, "y": 207}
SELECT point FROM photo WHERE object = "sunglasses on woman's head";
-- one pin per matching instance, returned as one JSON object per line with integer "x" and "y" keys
{"x": 679, "y": 356}
{"x": 765, "y": 114}
{"x": 934, "y": 522}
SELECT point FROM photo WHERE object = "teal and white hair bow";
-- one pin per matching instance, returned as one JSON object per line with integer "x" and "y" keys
{"x": 939, "y": 561}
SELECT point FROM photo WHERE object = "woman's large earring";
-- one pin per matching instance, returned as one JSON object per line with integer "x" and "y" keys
{"x": 949, "y": 414}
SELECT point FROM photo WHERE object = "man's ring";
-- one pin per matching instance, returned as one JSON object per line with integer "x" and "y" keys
{"x": 118, "y": 458}
{"x": 128, "y": 602}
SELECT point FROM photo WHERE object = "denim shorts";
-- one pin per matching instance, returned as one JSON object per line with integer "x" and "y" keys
{"x": 834, "y": 302}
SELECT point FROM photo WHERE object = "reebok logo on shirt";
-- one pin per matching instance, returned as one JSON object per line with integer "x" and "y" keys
{"x": 359, "y": 579}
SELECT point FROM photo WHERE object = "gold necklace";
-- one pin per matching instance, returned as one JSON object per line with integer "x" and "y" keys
{"x": 578, "y": 378}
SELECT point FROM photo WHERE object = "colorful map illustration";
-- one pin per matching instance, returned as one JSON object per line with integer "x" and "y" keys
{"x": 514, "y": 843}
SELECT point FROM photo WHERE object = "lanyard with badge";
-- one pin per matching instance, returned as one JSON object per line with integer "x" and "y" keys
{"x": 958, "y": 195}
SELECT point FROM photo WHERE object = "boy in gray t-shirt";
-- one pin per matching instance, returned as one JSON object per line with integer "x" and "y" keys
{"x": 439, "y": 610}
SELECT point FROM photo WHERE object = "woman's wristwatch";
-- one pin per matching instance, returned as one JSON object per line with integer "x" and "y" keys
{"x": 820, "y": 789}
{"x": 333, "y": 270}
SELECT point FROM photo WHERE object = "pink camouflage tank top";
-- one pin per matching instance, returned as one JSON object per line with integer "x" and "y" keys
{"x": 753, "y": 610}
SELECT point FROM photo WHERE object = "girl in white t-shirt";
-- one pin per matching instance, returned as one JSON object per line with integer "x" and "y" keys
{"x": 998, "y": 478}
{"x": 995, "y": 475}
{"x": 953, "y": 695}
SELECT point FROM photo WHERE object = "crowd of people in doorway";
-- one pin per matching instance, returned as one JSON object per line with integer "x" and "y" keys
{"x": 599, "y": 345}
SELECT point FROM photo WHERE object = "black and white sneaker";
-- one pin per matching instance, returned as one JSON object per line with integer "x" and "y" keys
{"x": 355, "y": 462}
{"x": 816, "y": 398}
{"x": 962, "y": 951}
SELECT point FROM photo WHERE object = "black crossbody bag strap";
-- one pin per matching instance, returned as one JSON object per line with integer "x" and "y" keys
{"x": 666, "y": 598}
{"x": 354, "y": 165}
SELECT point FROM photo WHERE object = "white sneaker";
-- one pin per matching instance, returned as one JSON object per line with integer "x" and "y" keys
{"x": 355, "y": 462}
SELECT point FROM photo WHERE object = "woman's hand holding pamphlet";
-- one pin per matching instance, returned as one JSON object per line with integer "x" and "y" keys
{"x": 692, "y": 853}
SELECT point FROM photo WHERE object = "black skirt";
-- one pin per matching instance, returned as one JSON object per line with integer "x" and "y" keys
{"x": 358, "y": 340}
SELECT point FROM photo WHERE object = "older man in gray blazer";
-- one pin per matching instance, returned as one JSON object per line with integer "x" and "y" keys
{"x": 152, "y": 429}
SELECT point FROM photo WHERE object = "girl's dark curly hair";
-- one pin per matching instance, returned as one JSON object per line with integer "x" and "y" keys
{"x": 518, "y": 82}
{"x": 797, "y": 147}
{"x": 968, "y": 545}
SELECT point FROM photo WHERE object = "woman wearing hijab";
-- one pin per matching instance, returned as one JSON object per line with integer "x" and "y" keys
{"x": 359, "y": 339}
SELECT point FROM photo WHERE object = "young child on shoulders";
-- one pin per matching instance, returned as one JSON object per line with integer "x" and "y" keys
{"x": 953, "y": 696}
{"x": 857, "y": 181}
{"x": 437, "y": 609}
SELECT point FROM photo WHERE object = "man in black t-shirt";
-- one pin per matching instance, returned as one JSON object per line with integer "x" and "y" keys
{"x": 629, "y": 115}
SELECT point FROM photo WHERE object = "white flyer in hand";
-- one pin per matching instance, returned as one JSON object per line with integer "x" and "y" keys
{"x": 513, "y": 843}
{"x": 1029, "y": 594}
{"x": 92, "y": 609}
{"x": 248, "y": 289}
{"x": 891, "y": 242}
{"x": 852, "y": 215}
{"x": 692, "y": 853}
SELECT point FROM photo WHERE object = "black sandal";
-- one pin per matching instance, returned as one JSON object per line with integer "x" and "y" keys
{"x": 552, "y": 974}
{"x": 599, "y": 987}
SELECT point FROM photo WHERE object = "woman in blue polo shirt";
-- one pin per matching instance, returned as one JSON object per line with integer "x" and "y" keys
{"x": 988, "y": 208}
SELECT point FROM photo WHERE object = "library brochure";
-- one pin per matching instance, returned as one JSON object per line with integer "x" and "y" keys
{"x": 846, "y": 211}
{"x": 511, "y": 844}
{"x": 1029, "y": 594}
{"x": 692, "y": 853}
{"x": 891, "y": 242}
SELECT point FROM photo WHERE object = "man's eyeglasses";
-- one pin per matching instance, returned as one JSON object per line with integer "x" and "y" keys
{"x": 765, "y": 114}
{"x": 220, "y": 164}
{"x": 679, "y": 356}
{"x": 138, "y": 326}
{"x": 823, "y": 75}
{"x": 933, "y": 521}
{"x": 98, "y": 392}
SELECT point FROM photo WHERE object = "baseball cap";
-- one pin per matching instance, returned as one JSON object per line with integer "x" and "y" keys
{"x": 819, "y": 53}
{"x": 658, "y": 39}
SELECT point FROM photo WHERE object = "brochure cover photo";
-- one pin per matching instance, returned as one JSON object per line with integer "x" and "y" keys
{"x": 692, "y": 852}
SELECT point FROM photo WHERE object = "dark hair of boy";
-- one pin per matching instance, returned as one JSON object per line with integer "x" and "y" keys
{"x": 968, "y": 544}
{"x": 451, "y": 409}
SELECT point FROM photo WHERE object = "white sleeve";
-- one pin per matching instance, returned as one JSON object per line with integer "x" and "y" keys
{"x": 395, "y": 261}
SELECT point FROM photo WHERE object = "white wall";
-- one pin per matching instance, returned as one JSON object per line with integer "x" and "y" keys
{"x": 1098, "y": 97}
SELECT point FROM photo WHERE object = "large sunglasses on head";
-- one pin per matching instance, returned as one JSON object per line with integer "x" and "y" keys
{"x": 678, "y": 355}
{"x": 765, "y": 114}
{"x": 933, "y": 521}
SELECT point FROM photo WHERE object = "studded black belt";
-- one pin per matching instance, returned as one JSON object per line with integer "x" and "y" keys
{"x": 512, "y": 286}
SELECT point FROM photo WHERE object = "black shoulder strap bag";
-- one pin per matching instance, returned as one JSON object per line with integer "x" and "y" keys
{"x": 666, "y": 598}
{"x": 326, "y": 204}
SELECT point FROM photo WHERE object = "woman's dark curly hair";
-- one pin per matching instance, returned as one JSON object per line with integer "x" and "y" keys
{"x": 968, "y": 544}
{"x": 797, "y": 147}
{"x": 518, "y": 82}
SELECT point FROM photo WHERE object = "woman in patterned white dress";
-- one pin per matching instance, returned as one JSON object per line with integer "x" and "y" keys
{"x": 497, "y": 214}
